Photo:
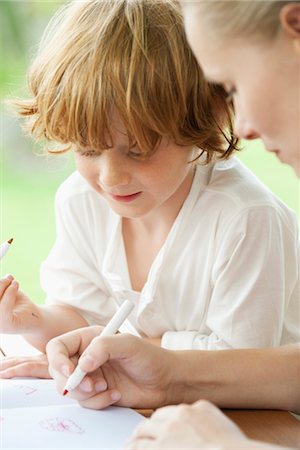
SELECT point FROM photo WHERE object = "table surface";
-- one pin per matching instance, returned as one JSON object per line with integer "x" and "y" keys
{"x": 277, "y": 427}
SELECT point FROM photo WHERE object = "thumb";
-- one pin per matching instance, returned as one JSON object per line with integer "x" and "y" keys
{"x": 9, "y": 297}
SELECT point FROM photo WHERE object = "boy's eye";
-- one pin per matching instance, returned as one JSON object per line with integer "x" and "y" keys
{"x": 89, "y": 153}
{"x": 134, "y": 154}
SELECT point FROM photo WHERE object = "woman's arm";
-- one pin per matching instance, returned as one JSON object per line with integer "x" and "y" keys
{"x": 258, "y": 378}
{"x": 248, "y": 378}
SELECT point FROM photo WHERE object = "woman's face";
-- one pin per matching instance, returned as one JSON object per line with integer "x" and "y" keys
{"x": 263, "y": 79}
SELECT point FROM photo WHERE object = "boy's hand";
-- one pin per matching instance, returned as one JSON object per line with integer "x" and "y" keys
{"x": 123, "y": 369}
{"x": 24, "y": 366}
{"x": 18, "y": 314}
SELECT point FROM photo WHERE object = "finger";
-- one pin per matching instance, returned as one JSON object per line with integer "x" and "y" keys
{"x": 94, "y": 382}
{"x": 142, "y": 444}
{"x": 207, "y": 410}
{"x": 14, "y": 360}
{"x": 4, "y": 283}
{"x": 147, "y": 429}
{"x": 102, "y": 400}
{"x": 60, "y": 349}
{"x": 102, "y": 349}
{"x": 86, "y": 385}
{"x": 9, "y": 295}
{"x": 165, "y": 412}
{"x": 204, "y": 405}
{"x": 26, "y": 369}
{"x": 9, "y": 361}
{"x": 63, "y": 353}
{"x": 9, "y": 276}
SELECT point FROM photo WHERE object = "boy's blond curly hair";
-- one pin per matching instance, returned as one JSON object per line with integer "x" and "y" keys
{"x": 129, "y": 56}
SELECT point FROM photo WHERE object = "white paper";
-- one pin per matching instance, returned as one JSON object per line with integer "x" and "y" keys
{"x": 22, "y": 393}
{"x": 67, "y": 427}
{"x": 15, "y": 345}
{"x": 35, "y": 416}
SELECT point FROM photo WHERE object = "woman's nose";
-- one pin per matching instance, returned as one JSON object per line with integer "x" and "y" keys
{"x": 243, "y": 128}
{"x": 113, "y": 170}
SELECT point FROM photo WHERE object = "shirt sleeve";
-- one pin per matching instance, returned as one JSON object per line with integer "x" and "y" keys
{"x": 253, "y": 278}
{"x": 71, "y": 275}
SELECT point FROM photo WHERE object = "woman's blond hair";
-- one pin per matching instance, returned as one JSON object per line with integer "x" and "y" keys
{"x": 255, "y": 19}
{"x": 129, "y": 56}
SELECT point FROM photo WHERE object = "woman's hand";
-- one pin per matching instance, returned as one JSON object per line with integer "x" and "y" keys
{"x": 24, "y": 366}
{"x": 197, "y": 426}
{"x": 122, "y": 369}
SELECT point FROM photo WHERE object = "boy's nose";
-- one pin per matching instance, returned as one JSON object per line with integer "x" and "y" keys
{"x": 112, "y": 170}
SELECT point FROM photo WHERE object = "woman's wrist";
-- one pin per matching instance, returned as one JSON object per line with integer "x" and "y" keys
{"x": 187, "y": 379}
{"x": 198, "y": 374}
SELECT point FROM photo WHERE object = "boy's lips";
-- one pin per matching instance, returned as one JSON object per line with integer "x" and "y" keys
{"x": 273, "y": 151}
{"x": 277, "y": 153}
{"x": 125, "y": 198}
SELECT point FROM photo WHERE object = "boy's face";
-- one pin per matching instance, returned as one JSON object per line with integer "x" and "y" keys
{"x": 132, "y": 187}
{"x": 263, "y": 78}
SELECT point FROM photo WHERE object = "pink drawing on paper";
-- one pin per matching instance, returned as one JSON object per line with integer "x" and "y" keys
{"x": 27, "y": 390}
{"x": 61, "y": 425}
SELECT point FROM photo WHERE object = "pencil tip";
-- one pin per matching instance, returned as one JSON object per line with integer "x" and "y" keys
{"x": 65, "y": 392}
{"x": 10, "y": 240}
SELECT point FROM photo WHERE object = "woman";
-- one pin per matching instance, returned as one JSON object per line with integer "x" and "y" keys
{"x": 231, "y": 40}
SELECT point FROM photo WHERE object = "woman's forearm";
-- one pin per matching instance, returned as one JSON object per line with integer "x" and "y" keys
{"x": 250, "y": 378}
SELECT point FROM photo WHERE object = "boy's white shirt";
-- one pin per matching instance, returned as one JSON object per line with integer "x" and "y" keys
{"x": 226, "y": 277}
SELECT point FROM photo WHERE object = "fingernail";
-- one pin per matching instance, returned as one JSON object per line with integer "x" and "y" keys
{"x": 9, "y": 277}
{"x": 101, "y": 386}
{"x": 115, "y": 396}
{"x": 86, "y": 386}
{"x": 65, "y": 370}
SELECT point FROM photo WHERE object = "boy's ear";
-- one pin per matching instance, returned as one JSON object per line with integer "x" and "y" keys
{"x": 290, "y": 20}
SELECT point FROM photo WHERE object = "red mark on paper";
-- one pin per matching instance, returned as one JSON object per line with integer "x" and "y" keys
{"x": 27, "y": 390}
{"x": 61, "y": 425}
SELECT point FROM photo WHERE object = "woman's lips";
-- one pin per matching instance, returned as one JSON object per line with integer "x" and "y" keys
{"x": 125, "y": 198}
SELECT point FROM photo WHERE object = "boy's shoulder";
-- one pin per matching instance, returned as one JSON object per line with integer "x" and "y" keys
{"x": 232, "y": 190}
{"x": 231, "y": 179}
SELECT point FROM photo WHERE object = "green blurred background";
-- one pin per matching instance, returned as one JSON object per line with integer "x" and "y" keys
{"x": 28, "y": 181}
